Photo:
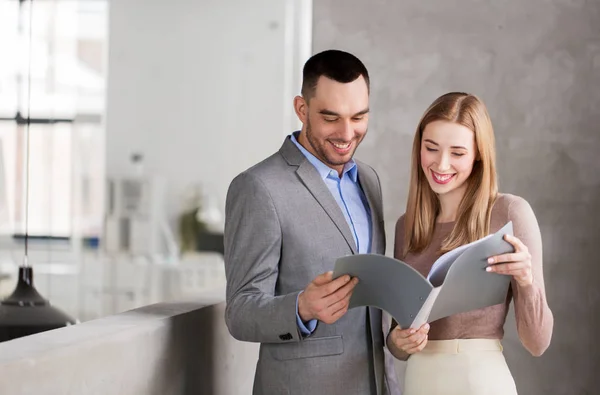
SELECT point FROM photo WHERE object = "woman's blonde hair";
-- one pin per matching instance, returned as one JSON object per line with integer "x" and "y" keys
{"x": 474, "y": 211}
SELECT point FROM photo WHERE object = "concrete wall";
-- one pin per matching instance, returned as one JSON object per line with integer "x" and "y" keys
{"x": 168, "y": 348}
{"x": 536, "y": 64}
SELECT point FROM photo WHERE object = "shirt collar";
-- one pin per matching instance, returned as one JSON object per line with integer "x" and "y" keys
{"x": 325, "y": 171}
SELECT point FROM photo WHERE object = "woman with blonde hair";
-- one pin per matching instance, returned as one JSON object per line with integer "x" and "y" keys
{"x": 453, "y": 200}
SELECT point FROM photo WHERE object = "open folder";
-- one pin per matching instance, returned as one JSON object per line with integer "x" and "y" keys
{"x": 457, "y": 282}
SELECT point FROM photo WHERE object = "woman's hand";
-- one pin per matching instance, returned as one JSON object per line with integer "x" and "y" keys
{"x": 410, "y": 340}
{"x": 516, "y": 264}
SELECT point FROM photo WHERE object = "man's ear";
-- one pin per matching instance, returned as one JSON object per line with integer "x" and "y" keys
{"x": 301, "y": 108}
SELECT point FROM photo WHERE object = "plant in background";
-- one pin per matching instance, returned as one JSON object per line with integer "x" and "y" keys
{"x": 190, "y": 222}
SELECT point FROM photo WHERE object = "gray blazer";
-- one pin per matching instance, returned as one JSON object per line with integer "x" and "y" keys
{"x": 282, "y": 229}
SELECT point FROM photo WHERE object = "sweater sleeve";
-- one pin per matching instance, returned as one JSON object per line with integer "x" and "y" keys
{"x": 398, "y": 245}
{"x": 533, "y": 315}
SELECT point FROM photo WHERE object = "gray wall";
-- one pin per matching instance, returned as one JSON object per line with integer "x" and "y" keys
{"x": 536, "y": 64}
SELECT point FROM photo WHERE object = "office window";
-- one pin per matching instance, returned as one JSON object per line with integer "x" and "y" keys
{"x": 52, "y": 72}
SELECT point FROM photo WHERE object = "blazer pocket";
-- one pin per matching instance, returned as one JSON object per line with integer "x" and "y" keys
{"x": 308, "y": 348}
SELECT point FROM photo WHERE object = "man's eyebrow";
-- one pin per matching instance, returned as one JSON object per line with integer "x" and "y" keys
{"x": 329, "y": 112}
{"x": 335, "y": 114}
{"x": 363, "y": 112}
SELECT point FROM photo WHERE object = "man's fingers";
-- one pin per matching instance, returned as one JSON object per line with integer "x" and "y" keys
{"x": 338, "y": 309}
{"x": 337, "y": 306}
{"x": 334, "y": 312}
{"x": 342, "y": 293}
{"x": 334, "y": 285}
{"x": 337, "y": 303}
{"x": 323, "y": 278}
{"x": 336, "y": 315}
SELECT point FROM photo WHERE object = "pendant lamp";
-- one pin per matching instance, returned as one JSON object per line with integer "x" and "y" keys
{"x": 25, "y": 312}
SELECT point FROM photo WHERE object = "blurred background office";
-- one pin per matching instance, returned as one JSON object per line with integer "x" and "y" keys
{"x": 123, "y": 122}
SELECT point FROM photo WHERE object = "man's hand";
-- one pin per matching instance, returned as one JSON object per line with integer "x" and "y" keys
{"x": 410, "y": 340}
{"x": 326, "y": 299}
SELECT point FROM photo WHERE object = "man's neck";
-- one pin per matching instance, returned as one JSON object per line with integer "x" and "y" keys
{"x": 303, "y": 141}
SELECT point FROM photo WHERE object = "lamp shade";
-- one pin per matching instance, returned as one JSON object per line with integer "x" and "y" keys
{"x": 25, "y": 312}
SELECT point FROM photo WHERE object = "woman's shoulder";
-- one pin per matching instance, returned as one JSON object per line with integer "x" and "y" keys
{"x": 400, "y": 224}
{"x": 399, "y": 238}
{"x": 509, "y": 206}
{"x": 400, "y": 220}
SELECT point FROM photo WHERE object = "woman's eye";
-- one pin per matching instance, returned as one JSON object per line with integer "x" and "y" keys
{"x": 458, "y": 154}
{"x": 430, "y": 149}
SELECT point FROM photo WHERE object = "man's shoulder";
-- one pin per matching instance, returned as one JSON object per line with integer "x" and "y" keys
{"x": 266, "y": 166}
{"x": 264, "y": 172}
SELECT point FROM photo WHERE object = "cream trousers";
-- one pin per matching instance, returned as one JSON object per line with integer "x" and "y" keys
{"x": 459, "y": 367}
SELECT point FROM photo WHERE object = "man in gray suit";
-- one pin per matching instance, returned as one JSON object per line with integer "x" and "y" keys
{"x": 288, "y": 219}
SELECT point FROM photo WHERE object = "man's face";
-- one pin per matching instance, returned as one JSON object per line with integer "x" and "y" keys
{"x": 335, "y": 120}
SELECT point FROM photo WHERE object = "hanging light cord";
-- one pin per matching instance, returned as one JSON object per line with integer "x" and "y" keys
{"x": 27, "y": 131}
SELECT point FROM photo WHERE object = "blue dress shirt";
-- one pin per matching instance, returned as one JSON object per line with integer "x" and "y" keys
{"x": 352, "y": 201}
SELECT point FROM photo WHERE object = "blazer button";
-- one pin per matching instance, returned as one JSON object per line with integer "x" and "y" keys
{"x": 286, "y": 337}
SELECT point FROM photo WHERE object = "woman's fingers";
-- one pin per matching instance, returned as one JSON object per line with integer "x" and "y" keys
{"x": 411, "y": 340}
{"x": 417, "y": 347}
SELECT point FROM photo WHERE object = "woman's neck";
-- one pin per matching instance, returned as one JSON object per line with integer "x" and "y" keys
{"x": 449, "y": 203}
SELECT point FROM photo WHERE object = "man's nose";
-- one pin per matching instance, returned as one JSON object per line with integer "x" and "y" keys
{"x": 347, "y": 130}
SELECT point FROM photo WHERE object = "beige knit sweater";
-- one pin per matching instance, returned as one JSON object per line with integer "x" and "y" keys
{"x": 533, "y": 316}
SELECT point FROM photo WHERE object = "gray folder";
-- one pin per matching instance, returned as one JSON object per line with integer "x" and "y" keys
{"x": 457, "y": 282}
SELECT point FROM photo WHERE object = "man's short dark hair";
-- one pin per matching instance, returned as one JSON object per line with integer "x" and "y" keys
{"x": 334, "y": 64}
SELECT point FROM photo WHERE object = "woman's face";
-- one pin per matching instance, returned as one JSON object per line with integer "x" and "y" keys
{"x": 448, "y": 153}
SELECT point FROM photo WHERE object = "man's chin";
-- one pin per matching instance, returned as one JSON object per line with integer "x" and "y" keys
{"x": 340, "y": 159}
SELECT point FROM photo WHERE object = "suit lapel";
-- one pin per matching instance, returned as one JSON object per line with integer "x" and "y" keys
{"x": 370, "y": 188}
{"x": 312, "y": 180}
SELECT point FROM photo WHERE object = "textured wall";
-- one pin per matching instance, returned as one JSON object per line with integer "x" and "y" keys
{"x": 536, "y": 64}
